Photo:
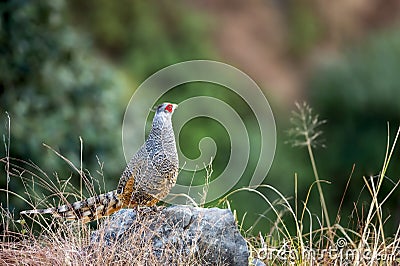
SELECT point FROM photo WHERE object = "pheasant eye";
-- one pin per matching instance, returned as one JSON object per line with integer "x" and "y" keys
{"x": 169, "y": 108}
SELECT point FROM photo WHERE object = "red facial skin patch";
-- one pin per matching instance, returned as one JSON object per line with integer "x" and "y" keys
{"x": 169, "y": 108}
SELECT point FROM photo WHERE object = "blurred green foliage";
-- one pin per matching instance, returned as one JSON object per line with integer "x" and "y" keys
{"x": 358, "y": 94}
{"x": 144, "y": 36}
{"x": 55, "y": 90}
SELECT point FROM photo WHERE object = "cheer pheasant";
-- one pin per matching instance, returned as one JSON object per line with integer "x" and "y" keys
{"x": 148, "y": 177}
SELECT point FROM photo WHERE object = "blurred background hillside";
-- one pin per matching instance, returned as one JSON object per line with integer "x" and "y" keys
{"x": 68, "y": 69}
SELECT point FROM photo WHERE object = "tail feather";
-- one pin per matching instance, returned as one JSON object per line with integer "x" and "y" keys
{"x": 86, "y": 210}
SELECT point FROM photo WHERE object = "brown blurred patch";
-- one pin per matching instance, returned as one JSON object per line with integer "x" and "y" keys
{"x": 257, "y": 36}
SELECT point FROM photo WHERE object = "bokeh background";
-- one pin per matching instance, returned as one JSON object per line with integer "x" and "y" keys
{"x": 68, "y": 69}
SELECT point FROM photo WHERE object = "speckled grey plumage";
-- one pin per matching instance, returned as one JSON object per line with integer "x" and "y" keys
{"x": 155, "y": 166}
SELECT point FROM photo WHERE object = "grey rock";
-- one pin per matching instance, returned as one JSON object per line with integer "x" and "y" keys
{"x": 170, "y": 234}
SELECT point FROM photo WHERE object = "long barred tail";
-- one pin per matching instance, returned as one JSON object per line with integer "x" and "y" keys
{"x": 86, "y": 210}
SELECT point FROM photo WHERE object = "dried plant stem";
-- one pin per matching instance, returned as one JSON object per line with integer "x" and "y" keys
{"x": 7, "y": 149}
{"x": 321, "y": 193}
{"x": 375, "y": 191}
{"x": 305, "y": 132}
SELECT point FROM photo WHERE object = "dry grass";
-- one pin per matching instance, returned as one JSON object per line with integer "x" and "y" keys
{"x": 330, "y": 244}
{"x": 51, "y": 241}
{"x": 69, "y": 244}
{"x": 44, "y": 241}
